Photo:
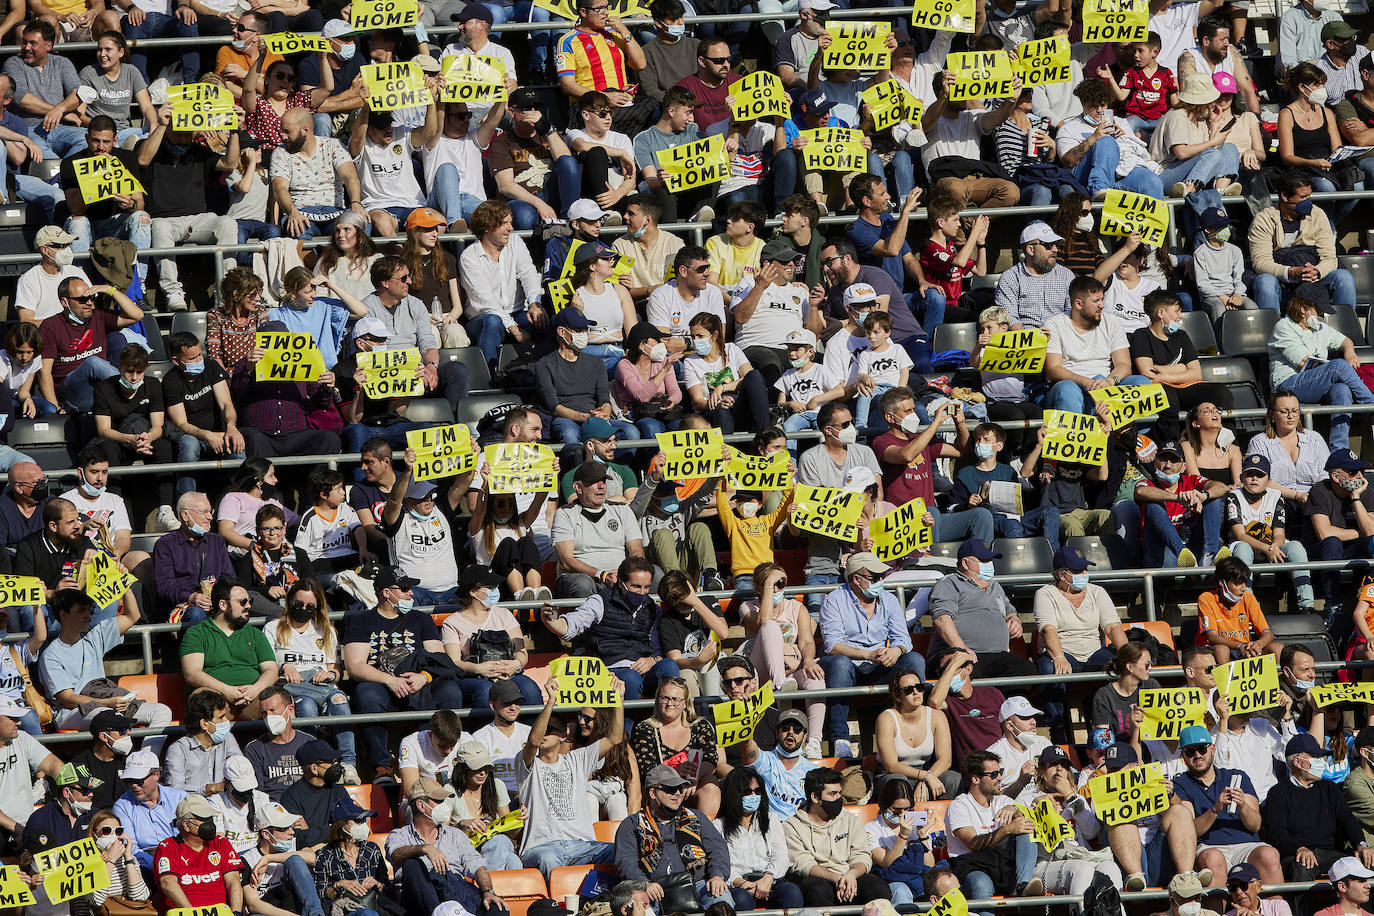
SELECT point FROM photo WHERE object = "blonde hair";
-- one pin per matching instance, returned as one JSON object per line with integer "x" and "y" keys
{"x": 994, "y": 315}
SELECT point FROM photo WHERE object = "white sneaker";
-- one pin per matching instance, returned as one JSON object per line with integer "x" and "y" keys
{"x": 705, "y": 214}
{"x": 167, "y": 519}
{"x": 842, "y": 749}
{"x": 176, "y": 305}
{"x": 542, "y": 593}
{"x": 614, "y": 219}
{"x": 525, "y": 594}
{"x": 350, "y": 776}
{"x": 813, "y": 749}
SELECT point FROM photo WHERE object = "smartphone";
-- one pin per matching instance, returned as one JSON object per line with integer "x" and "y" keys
{"x": 916, "y": 818}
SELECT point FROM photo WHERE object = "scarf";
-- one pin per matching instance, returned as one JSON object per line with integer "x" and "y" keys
{"x": 687, "y": 834}
{"x": 260, "y": 561}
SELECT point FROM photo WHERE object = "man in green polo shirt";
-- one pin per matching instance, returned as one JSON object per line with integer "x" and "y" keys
{"x": 225, "y": 654}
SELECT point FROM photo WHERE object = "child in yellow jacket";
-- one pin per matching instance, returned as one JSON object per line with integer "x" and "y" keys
{"x": 750, "y": 534}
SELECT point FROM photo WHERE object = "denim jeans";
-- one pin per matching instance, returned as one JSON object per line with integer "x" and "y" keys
{"x": 9, "y": 457}
{"x": 488, "y": 332}
{"x": 960, "y": 526}
{"x": 1336, "y": 210}
{"x": 61, "y": 141}
{"x": 373, "y": 697}
{"x": 477, "y": 691}
{"x": 548, "y": 856}
{"x": 932, "y": 308}
{"x": 499, "y": 853}
{"x": 978, "y": 886}
{"x": 1271, "y": 293}
{"x": 254, "y": 229}
{"x": 77, "y": 391}
{"x": 1097, "y": 169}
{"x": 636, "y": 684}
{"x": 1053, "y": 695}
{"x": 800, "y": 421}
{"x": 785, "y": 895}
{"x": 1204, "y": 168}
{"x": 863, "y": 405}
{"x": 566, "y": 186}
{"x": 1142, "y": 126}
{"x": 446, "y": 196}
{"x": 1333, "y": 382}
{"x": 1044, "y": 519}
{"x": 355, "y": 434}
{"x": 784, "y": 174}
{"x": 160, "y": 25}
{"x": 569, "y": 432}
{"x": 1333, "y": 548}
{"x": 610, "y": 354}
{"x": 1038, "y": 195}
{"x": 134, "y": 226}
{"x": 31, "y": 189}
{"x": 1164, "y": 540}
{"x": 816, "y": 599}
{"x": 903, "y": 172}
{"x": 316, "y": 227}
{"x": 189, "y": 448}
{"x": 1073, "y": 397}
{"x": 540, "y": 41}
{"x": 841, "y": 671}
{"x": 428, "y": 597}
{"x": 1293, "y": 552}
{"x": 300, "y": 878}
{"x": 311, "y": 698}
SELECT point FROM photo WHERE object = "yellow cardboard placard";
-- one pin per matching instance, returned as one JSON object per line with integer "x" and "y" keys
{"x": 834, "y": 149}
{"x": 1129, "y": 795}
{"x": 288, "y": 357}
{"x": 520, "y": 467}
{"x": 1342, "y": 692}
{"x": 1126, "y": 212}
{"x": 100, "y": 177}
{"x": 14, "y": 890}
{"x": 760, "y": 95}
{"x": 901, "y": 531}
{"x": 511, "y": 820}
{"x": 583, "y": 681}
{"x": 392, "y": 373}
{"x": 395, "y": 85}
{"x": 376, "y": 15}
{"x": 560, "y": 294}
{"x": 1075, "y": 437}
{"x": 889, "y": 104}
{"x": 945, "y": 15}
{"x": 106, "y": 583}
{"x": 1113, "y": 21}
{"x": 1051, "y": 828}
{"x": 202, "y": 106}
{"x": 73, "y": 870}
{"x": 1016, "y": 352}
{"x": 1128, "y": 403}
{"x": 563, "y": 9}
{"x": 1249, "y": 684}
{"x": 1044, "y": 61}
{"x": 754, "y": 472}
{"x": 857, "y": 46}
{"x": 285, "y": 43}
{"x": 622, "y": 267}
{"x": 736, "y": 719}
{"x": 219, "y": 909}
{"x": 441, "y": 451}
{"x": 694, "y": 163}
{"x": 692, "y": 453}
{"x": 827, "y": 511}
{"x": 951, "y": 904}
{"x": 473, "y": 79}
{"x": 1169, "y": 711}
{"x": 20, "y": 590}
{"x": 980, "y": 75}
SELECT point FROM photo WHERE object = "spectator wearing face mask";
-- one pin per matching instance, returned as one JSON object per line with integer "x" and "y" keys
{"x": 66, "y": 816}
{"x": 1307, "y": 817}
{"x": 1229, "y": 616}
{"x": 318, "y": 791}
{"x": 110, "y": 744}
{"x": 197, "y": 866}
{"x": 237, "y": 805}
{"x": 196, "y": 761}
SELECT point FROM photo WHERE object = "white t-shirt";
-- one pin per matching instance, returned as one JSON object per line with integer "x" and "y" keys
{"x": 464, "y": 153}
{"x": 1128, "y": 304}
{"x": 19, "y": 760}
{"x": 696, "y": 370}
{"x": 503, "y": 749}
{"x": 417, "y": 751}
{"x": 1087, "y": 354}
{"x": 424, "y": 549}
{"x": 232, "y": 820}
{"x": 1176, "y": 27}
{"x": 106, "y": 508}
{"x": 884, "y": 368}
{"x": 781, "y": 310}
{"x": 804, "y": 384}
{"x": 11, "y": 681}
{"x": 840, "y": 351}
{"x": 965, "y": 812}
{"x": 554, "y": 796}
{"x": 304, "y": 648}
{"x": 667, "y": 309}
{"x": 327, "y": 536}
{"x": 16, "y": 378}
{"x": 1012, "y": 759}
{"x": 37, "y": 290}
{"x": 955, "y": 137}
{"x": 387, "y": 173}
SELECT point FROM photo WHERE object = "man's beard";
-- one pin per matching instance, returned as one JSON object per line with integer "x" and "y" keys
{"x": 294, "y": 146}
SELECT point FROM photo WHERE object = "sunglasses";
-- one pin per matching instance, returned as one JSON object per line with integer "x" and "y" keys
{"x": 717, "y": 60}
{"x": 284, "y": 75}
{"x": 791, "y": 727}
{"x": 600, "y": 112}
{"x": 584, "y": 719}
{"x": 240, "y": 27}
{"x": 81, "y": 298}
{"x": 754, "y": 791}
{"x": 1196, "y": 750}
{"x": 703, "y": 269}
{"x": 107, "y": 831}
{"x": 244, "y": 602}
{"x": 845, "y": 425}
{"x": 732, "y": 681}
{"x": 909, "y": 689}
{"x": 992, "y": 774}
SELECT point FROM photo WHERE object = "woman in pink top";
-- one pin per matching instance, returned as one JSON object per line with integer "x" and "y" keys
{"x": 482, "y": 661}
{"x": 266, "y": 99}
{"x": 783, "y": 645}
{"x": 646, "y": 382}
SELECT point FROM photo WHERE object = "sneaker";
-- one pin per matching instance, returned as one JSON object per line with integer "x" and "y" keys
{"x": 177, "y": 305}
{"x": 711, "y": 581}
{"x": 705, "y": 214}
{"x": 813, "y": 749}
{"x": 157, "y": 92}
{"x": 1136, "y": 882}
{"x": 1186, "y": 560}
{"x": 542, "y": 593}
{"x": 458, "y": 225}
{"x": 1232, "y": 190}
{"x": 1035, "y": 887}
{"x": 614, "y": 219}
{"x": 167, "y": 519}
{"x": 525, "y": 594}
{"x": 1208, "y": 559}
{"x": 1100, "y": 194}
{"x": 1204, "y": 876}
{"x": 1222, "y": 553}
{"x": 383, "y": 775}
{"x": 555, "y": 228}
{"x": 350, "y": 776}
{"x": 1179, "y": 189}
{"x": 842, "y": 749}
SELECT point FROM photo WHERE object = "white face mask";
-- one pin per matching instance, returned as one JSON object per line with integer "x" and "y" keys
{"x": 1191, "y": 908}
{"x": 122, "y": 745}
{"x": 64, "y": 257}
{"x": 1317, "y": 96}
{"x": 1085, "y": 223}
{"x": 579, "y": 340}
{"x": 749, "y": 509}
{"x": 849, "y": 435}
{"x": 1316, "y": 767}
{"x": 658, "y": 352}
{"x": 1314, "y": 323}
{"x": 442, "y": 813}
{"x": 911, "y": 423}
{"x": 80, "y": 808}
{"x": 276, "y": 724}
{"x": 105, "y": 842}
{"x": 358, "y": 831}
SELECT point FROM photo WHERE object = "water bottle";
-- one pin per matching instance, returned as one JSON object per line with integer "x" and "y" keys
{"x": 436, "y": 311}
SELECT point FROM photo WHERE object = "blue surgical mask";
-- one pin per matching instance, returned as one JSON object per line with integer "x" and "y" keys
{"x": 1304, "y": 685}
{"x": 91, "y": 490}
{"x": 984, "y": 450}
{"x": 493, "y": 597}
{"x": 1169, "y": 479}
{"x": 418, "y": 515}
{"x": 405, "y": 605}
{"x": 874, "y": 590}
{"x": 799, "y": 362}
{"x": 1079, "y": 581}
{"x": 198, "y": 530}
{"x": 1093, "y": 121}
{"x": 1316, "y": 767}
{"x": 1230, "y": 596}
{"x": 195, "y": 368}
{"x": 702, "y": 345}
{"x": 785, "y": 753}
{"x": 676, "y": 31}
{"x": 640, "y": 231}
{"x": 750, "y": 803}
{"x": 130, "y": 386}
{"x": 956, "y": 684}
{"x": 347, "y": 51}
{"x": 1173, "y": 327}
{"x": 221, "y": 732}
{"x": 985, "y": 570}
{"x": 669, "y": 505}
{"x": 1303, "y": 207}
{"x": 284, "y": 845}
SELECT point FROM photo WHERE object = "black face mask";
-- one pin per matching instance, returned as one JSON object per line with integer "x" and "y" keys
{"x": 832, "y": 808}
{"x": 299, "y": 613}
{"x": 206, "y": 831}
{"x": 1348, "y": 49}
{"x": 39, "y": 491}
{"x": 269, "y": 490}
{"x": 1252, "y": 497}
{"x": 334, "y": 773}
{"x": 593, "y": 515}
{"x": 240, "y": 796}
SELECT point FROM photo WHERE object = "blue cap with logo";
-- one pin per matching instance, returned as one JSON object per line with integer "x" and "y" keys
{"x": 1070, "y": 558}
{"x": 1194, "y": 735}
{"x": 1254, "y": 464}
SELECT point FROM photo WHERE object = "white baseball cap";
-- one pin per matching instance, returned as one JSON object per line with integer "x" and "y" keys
{"x": 801, "y": 338}
{"x": 370, "y": 327}
{"x": 1348, "y": 867}
{"x": 815, "y": 5}
{"x": 139, "y": 764}
{"x": 1039, "y": 231}
{"x": 240, "y": 773}
{"x": 859, "y": 479}
{"x": 586, "y": 209}
{"x": 12, "y": 708}
{"x": 859, "y": 292}
{"x": 1017, "y": 706}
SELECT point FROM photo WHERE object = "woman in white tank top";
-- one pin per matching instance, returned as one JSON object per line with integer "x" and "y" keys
{"x": 913, "y": 739}
{"x": 607, "y": 305}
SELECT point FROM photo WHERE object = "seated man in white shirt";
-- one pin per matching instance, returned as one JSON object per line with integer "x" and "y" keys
{"x": 35, "y": 297}
{"x": 1087, "y": 350}
{"x": 502, "y": 286}
{"x": 1019, "y": 747}
{"x": 674, "y": 304}
{"x": 954, "y": 129}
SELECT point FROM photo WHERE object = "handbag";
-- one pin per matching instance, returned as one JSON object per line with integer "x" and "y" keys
{"x": 115, "y": 905}
{"x": 490, "y": 646}
{"x": 679, "y": 893}
{"x": 32, "y": 697}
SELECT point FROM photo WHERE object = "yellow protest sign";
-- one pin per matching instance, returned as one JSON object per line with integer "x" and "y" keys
{"x": 202, "y": 106}
{"x": 951, "y": 904}
{"x": 73, "y": 870}
{"x": 474, "y": 79}
{"x": 520, "y": 467}
{"x": 1128, "y": 403}
{"x": 99, "y": 177}
{"x": 391, "y": 373}
{"x": 1169, "y": 711}
{"x": 1249, "y": 684}
{"x": 395, "y": 85}
{"x": 1114, "y": 21}
{"x": 20, "y": 590}
{"x": 760, "y": 95}
{"x": 1128, "y": 795}
{"x": 1075, "y": 437}
{"x": 1044, "y": 61}
{"x": 14, "y": 891}
{"x": 692, "y": 453}
{"x": 219, "y": 909}
{"x": 889, "y": 104}
{"x": 857, "y": 46}
{"x": 945, "y": 15}
{"x": 834, "y": 149}
{"x": 901, "y": 531}
{"x": 560, "y": 294}
{"x": 511, "y": 820}
{"x": 622, "y": 267}
{"x": 583, "y": 681}
{"x": 980, "y": 75}
{"x": 563, "y": 9}
{"x": 1015, "y": 352}
{"x": 441, "y": 451}
{"x": 376, "y": 15}
{"x": 106, "y": 583}
{"x": 754, "y": 472}
{"x": 1126, "y": 213}
{"x": 1050, "y": 827}
{"x": 288, "y": 357}
{"x": 1342, "y": 692}
{"x": 285, "y": 43}
{"x": 736, "y": 719}
{"x": 827, "y": 511}
{"x": 695, "y": 163}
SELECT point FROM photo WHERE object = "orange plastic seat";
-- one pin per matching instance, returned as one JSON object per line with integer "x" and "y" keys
{"x": 935, "y": 814}
{"x": 568, "y": 879}
{"x": 520, "y": 888}
{"x": 866, "y": 813}
{"x": 374, "y": 798}
{"x": 167, "y": 689}
{"x": 605, "y": 830}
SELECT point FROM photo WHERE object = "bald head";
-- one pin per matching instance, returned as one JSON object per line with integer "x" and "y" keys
{"x": 298, "y": 117}
{"x": 25, "y": 472}
{"x": 298, "y": 130}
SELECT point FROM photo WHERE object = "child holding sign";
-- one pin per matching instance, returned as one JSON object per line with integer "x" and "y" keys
{"x": 1180, "y": 511}
{"x": 1229, "y": 616}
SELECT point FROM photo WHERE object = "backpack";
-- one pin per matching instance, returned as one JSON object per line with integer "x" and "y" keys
{"x": 1101, "y": 898}
{"x": 1160, "y": 654}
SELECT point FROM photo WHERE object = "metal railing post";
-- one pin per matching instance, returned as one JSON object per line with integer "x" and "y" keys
{"x": 1148, "y": 597}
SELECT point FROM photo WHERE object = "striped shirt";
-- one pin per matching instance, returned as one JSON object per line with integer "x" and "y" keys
{"x": 592, "y": 59}
{"x": 1030, "y": 298}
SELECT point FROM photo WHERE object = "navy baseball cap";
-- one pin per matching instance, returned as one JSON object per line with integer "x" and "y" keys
{"x": 1254, "y": 463}
{"x": 1214, "y": 218}
{"x": 346, "y": 809}
{"x": 316, "y": 750}
{"x": 1054, "y": 754}
{"x": 574, "y": 319}
{"x": 978, "y": 548}
{"x": 1303, "y": 743}
{"x": 1346, "y": 460}
{"x": 815, "y": 102}
{"x": 1070, "y": 558}
{"x": 1121, "y": 755}
{"x": 1316, "y": 294}
{"x": 1242, "y": 874}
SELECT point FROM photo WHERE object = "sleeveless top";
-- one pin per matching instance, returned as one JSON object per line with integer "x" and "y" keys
{"x": 1205, "y": 66}
{"x": 906, "y": 754}
{"x": 1314, "y": 143}
{"x": 603, "y": 310}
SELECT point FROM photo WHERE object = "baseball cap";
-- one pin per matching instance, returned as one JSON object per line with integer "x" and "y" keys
{"x": 1054, "y": 754}
{"x": 794, "y": 715}
{"x": 664, "y": 777}
{"x": 859, "y": 292}
{"x": 815, "y": 5}
{"x": 585, "y": 209}
{"x": 1170, "y": 447}
{"x": 859, "y": 479}
{"x": 1348, "y": 867}
{"x": 590, "y": 472}
{"x": 389, "y": 576}
{"x": 346, "y": 809}
{"x": 573, "y": 319}
{"x": 111, "y": 721}
{"x": 641, "y": 334}
{"x": 421, "y": 490}
{"x": 815, "y": 102}
{"x": 865, "y": 561}
{"x": 1257, "y": 464}
{"x": 139, "y": 764}
{"x": 504, "y": 691}
{"x": 428, "y": 787}
{"x": 1017, "y": 706}
{"x": 544, "y": 906}
{"x": 337, "y": 28}
{"x": 73, "y": 775}
{"x": 1346, "y": 460}
{"x": 1185, "y": 885}
{"x": 274, "y": 815}
{"x": 53, "y": 235}
{"x": 240, "y": 773}
{"x": 12, "y": 708}
{"x": 1039, "y": 231}
{"x": 1194, "y": 735}
{"x": 195, "y": 806}
{"x": 473, "y": 11}
{"x": 1071, "y": 558}
{"x": 427, "y": 64}
{"x": 780, "y": 250}
{"x": 1339, "y": 30}
{"x": 425, "y": 217}
{"x": 1242, "y": 874}
{"x": 590, "y": 252}
{"x": 1214, "y": 218}
{"x": 1119, "y": 756}
{"x": 1364, "y": 737}
{"x": 1316, "y": 294}
{"x": 370, "y": 327}
{"x": 1303, "y": 743}
{"x": 476, "y": 575}
{"x": 525, "y": 98}
{"x": 474, "y": 755}
{"x": 980, "y": 549}
{"x": 597, "y": 428}
{"x": 1225, "y": 83}
{"x": 317, "y": 750}
{"x": 801, "y": 338}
